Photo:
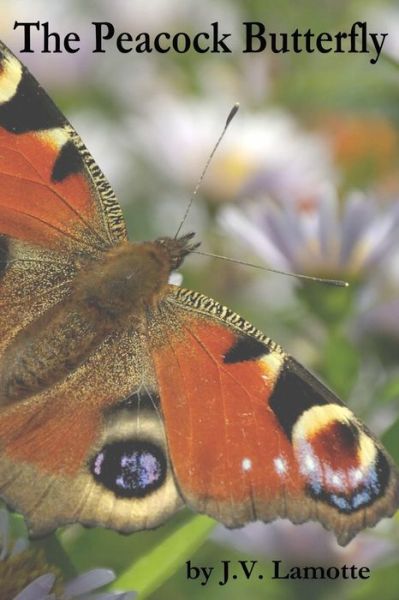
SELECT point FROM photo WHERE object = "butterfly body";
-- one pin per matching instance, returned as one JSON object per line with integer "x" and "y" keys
{"x": 123, "y": 283}
{"x": 123, "y": 397}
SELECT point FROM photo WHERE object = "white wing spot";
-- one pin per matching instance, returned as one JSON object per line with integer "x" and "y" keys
{"x": 246, "y": 464}
{"x": 310, "y": 464}
{"x": 10, "y": 77}
{"x": 280, "y": 465}
{"x": 356, "y": 475}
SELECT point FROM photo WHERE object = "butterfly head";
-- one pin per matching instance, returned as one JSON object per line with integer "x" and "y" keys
{"x": 177, "y": 248}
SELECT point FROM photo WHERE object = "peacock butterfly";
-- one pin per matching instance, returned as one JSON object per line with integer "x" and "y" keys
{"x": 123, "y": 397}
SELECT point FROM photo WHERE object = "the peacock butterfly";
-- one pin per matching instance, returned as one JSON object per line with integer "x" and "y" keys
{"x": 123, "y": 397}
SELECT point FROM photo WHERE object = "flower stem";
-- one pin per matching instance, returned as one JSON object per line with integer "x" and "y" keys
{"x": 56, "y": 554}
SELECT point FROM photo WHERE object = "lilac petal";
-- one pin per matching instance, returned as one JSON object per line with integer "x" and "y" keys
{"x": 260, "y": 182}
{"x": 328, "y": 223}
{"x": 378, "y": 254}
{"x": 383, "y": 318}
{"x": 38, "y": 589}
{"x": 4, "y": 532}
{"x": 286, "y": 231}
{"x": 379, "y": 238}
{"x": 88, "y": 582}
{"x": 359, "y": 213}
{"x": 233, "y": 221}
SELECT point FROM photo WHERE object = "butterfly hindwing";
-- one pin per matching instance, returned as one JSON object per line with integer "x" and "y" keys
{"x": 224, "y": 421}
{"x": 253, "y": 435}
{"x": 92, "y": 448}
{"x": 32, "y": 280}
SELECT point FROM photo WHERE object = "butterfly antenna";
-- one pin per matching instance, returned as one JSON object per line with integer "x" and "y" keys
{"x": 231, "y": 116}
{"x": 336, "y": 282}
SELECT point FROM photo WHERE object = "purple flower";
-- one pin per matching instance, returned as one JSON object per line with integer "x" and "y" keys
{"x": 42, "y": 587}
{"x": 324, "y": 239}
{"x": 80, "y": 588}
{"x": 381, "y": 319}
{"x": 308, "y": 544}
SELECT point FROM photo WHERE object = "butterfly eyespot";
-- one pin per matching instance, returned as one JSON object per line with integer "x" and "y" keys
{"x": 341, "y": 464}
{"x": 130, "y": 469}
{"x": 352, "y": 489}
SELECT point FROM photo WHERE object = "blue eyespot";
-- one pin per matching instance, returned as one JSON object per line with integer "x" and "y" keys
{"x": 130, "y": 469}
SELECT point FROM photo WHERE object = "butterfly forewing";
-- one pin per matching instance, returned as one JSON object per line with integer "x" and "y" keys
{"x": 51, "y": 191}
{"x": 56, "y": 208}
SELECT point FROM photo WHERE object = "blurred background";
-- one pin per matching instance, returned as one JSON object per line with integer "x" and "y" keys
{"x": 306, "y": 180}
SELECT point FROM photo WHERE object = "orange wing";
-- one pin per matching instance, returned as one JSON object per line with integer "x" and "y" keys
{"x": 92, "y": 447}
{"x": 52, "y": 193}
{"x": 253, "y": 435}
{"x": 55, "y": 205}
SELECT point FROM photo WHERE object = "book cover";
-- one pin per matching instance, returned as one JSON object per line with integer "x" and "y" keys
{"x": 305, "y": 181}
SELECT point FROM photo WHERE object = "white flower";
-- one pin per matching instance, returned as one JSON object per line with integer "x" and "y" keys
{"x": 323, "y": 240}
{"x": 266, "y": 150}
{"x": 386, "y": 19}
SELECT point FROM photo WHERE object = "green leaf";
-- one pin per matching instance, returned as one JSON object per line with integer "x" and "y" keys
{"x": 55, "y": 554}
{"x": 211, "y": 554}
{"x": 152, "y": 568}
{"x": 383, "y": 583}
{"x": 340, "y": 364}
{"x": 331, "y": 305}
{"x": 390, "y": 440}
{"x": 390, "y": 390}
{"x": 51, "y": 545}
{"x": 390, "y": 60}
{"x": 17, "y": 525}
{"x": 98, "y": 547}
